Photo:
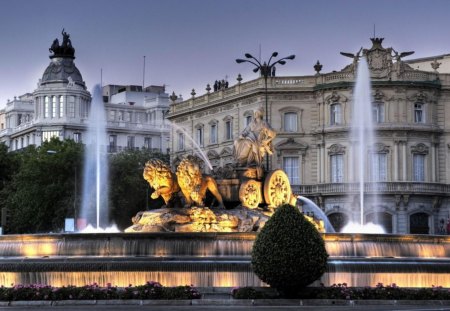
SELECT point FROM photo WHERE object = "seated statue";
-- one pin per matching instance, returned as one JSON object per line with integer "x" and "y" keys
{"x": 254, "y": 142}
{"x": 194, "y": 185}
{"x": 160, "y": 177}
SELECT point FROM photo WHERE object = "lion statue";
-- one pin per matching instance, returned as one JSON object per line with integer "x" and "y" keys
{"x": 160, "y": 177}
{"x": 194, "y": 185}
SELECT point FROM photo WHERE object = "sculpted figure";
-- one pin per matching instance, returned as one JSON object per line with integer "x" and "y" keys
{"x": 160, "y": 177}
{"x": 254, "y": 142}
{"x": 55, "y": 46}
{"x": 194, "y": 185}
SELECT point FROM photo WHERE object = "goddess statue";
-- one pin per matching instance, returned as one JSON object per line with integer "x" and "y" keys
{"x": 254, "y": 142}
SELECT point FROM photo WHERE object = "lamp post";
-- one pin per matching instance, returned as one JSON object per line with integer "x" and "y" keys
{"x": 266, "y": 71}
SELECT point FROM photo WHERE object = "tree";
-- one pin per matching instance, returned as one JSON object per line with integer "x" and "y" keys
{"x": 8, "y": 167}
{"x": 129, "y": 192}
{"x": 42, "y": 192}
{"x": 289, "y": 253}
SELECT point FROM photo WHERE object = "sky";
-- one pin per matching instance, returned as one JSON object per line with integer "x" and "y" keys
{"x": 190, "y": 43}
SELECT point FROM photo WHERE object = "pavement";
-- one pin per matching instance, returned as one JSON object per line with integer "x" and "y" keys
{"x": 229, "y": 304}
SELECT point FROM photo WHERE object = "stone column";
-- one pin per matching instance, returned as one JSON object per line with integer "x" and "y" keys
{"x": 433, "y": 162}
{"x": 396, "y": 160}
{"x": 404, "y": 177}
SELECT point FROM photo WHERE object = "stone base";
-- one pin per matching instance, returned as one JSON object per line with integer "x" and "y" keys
{"x": 200, "y": 219}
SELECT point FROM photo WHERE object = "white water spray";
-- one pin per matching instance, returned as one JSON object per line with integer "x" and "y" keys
{"x": 195, "y": 147}
{"x": 362, "y": 133}
{"x": 94, "y": 205}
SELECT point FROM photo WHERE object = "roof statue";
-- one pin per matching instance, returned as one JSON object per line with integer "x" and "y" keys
{"x": 382, "y": 61}
{"x": 65, "y": 49}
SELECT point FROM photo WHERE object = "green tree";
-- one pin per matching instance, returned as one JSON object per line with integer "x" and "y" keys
{"x": 8, "y": 167}
{"x": 289, "y": 253}
{"x": 129, "y": 192}
{"x": 42, "y": 192}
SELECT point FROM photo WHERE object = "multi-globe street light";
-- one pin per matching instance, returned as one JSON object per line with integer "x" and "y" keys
{"x": 266, "y": 70}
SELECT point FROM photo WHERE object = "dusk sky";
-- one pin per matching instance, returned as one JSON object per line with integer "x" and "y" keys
{"x": 189, "y": 43}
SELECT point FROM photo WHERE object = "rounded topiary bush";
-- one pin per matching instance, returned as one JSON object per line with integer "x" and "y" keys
{"x": 289, "y": 253}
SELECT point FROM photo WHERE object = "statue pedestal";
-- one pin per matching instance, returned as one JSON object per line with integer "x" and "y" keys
{"x": 199, "y": 219}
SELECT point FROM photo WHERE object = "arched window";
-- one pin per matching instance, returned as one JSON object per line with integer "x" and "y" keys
{"x": 228, "y": 128}
{"x": 53, "y": 106}
{"x": 61, "y": 106}
{"x": 199, "y": 137}
{"x": 46, "y": 107}
{"x": 180, "y": 141}
{"x": 418, "y": 223}
{"x": 335, "y": 114}
{"x": 338, "y": 221}
{"x": 381, "y": 218}
{"x": 213, "y": 131}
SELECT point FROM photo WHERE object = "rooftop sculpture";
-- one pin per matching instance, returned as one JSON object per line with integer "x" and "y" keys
{"x": 65, "y": 49}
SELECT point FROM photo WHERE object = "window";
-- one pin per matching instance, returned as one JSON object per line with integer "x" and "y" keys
{"x": 378, "y": 167}
{"x": 148, "y": 142}
{"x": 53, "y": 106}
{"x": 418, "y": 223}
{"x": 337, "y": 168}
{"x": 378, "y": 112}
{"x": 180, "y": 141}
{"x": 419, "y": 167}
{"x": 61, "y": 106}
{"x": 335, "y": 114}
{"x": 46, "y": 107}
{"x": 199, "y": 136}
{"x": 47, "y": 135}
{"x": 228, "y": 130}
{"x": 71, "y": 106}
{"x": 213, "y": 134}
{"x": 290, "y": 122}
{"x": 248, "y": 119}
{"x": 418, "y": 113}
{"x": 112, "y": 115}
{"x": 77, "y": 137}
{"x": 130, "y": 142}
{"x": 127, "y": 117}
{"x": 292, "y": 169}
{"x": 112, "y": 143}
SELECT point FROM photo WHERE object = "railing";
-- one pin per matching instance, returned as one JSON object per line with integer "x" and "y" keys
{"x": 419, "y": 76}
{"x": 373, "y": 187}
{"x": 283, "y": 83}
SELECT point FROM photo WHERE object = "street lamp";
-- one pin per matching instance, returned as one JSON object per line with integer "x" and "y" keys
{"x": 266, "y": 71}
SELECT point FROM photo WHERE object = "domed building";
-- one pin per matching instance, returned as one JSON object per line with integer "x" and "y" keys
{"x": 407, "y": 184}
{"x": 60, "y": 106}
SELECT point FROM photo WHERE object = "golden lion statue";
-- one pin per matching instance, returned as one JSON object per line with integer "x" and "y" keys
{"x": 194, "y": 185}
{"x": 160, "y": 177}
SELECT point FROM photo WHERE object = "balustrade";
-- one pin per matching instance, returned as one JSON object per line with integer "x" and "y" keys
{"x": 373, "y": 187}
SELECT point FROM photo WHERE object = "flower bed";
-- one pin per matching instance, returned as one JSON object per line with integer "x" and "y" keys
{"x": 342, "y": 291}
{"x": 150, "y": 290}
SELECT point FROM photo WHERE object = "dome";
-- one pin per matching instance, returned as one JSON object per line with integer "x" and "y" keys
{"x": 60, "y": 69}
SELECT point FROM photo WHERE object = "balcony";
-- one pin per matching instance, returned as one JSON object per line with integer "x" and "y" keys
{"x": 421, "y": 188}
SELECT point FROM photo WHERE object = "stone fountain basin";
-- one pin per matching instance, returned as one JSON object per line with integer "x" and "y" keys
{"x": 213, "y": 259}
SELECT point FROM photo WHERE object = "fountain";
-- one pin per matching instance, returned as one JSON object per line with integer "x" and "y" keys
{"x": 94, "y": 204}
{"x": 362, "y": 128}
{"x": 220, "y": 259}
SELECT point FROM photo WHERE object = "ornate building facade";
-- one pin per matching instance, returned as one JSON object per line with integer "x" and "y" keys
{"x": 60, "y": 106}
{"x": 409, "y": 165}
